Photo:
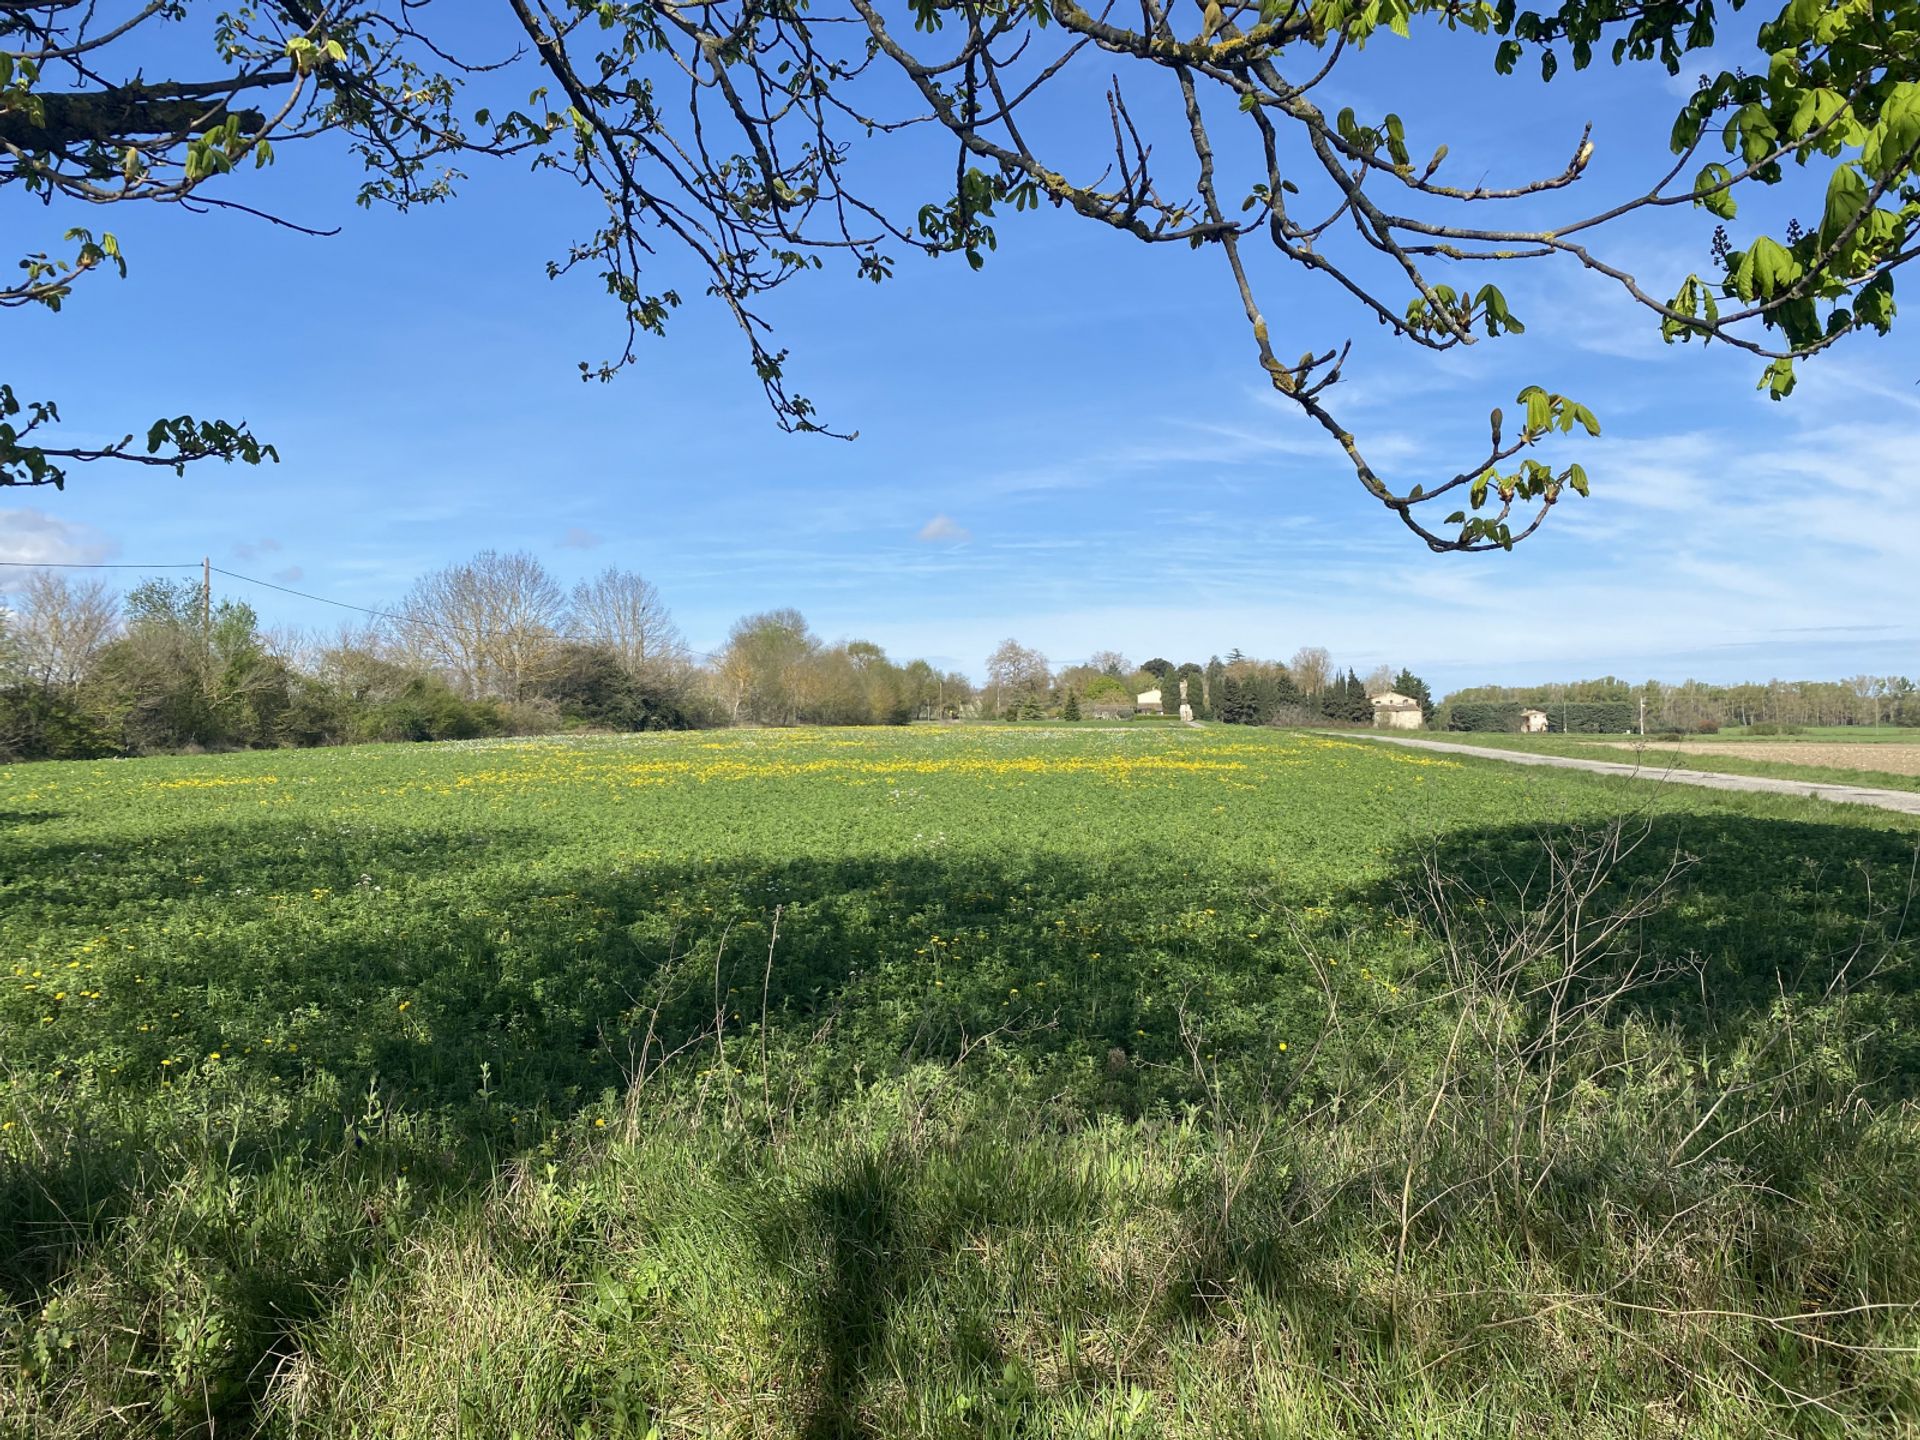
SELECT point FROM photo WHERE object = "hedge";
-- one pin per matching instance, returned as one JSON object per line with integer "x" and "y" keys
{"x": 1592, "y": 717}
{"x": 1484, "y": 715}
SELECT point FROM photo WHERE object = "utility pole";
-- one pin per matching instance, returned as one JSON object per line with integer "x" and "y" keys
{"x": 206, "y": 594}
{"x": 1643, "y": 714}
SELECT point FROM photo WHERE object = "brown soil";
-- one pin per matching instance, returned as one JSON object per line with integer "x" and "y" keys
{"x": 1887, "y": 759}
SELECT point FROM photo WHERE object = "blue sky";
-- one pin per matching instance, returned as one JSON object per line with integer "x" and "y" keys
{"x": 1074, "y": 447}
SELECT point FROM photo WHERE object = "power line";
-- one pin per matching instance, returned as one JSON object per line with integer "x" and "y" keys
{"x": 321, "y": 599}
{"x": 410, "y": 620}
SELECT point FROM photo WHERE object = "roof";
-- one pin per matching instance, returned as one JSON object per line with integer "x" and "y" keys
{"x": 1148, "y": 697}
{"x": 1394, "y": 700}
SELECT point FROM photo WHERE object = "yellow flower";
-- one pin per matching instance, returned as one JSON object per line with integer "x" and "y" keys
{"x": 599, "y": 1124}
{"x": 1283, "y": 1044}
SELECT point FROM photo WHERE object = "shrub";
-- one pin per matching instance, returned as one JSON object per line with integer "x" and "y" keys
{"x": 41, "y": 724}
{"x": 1484, "y": 715}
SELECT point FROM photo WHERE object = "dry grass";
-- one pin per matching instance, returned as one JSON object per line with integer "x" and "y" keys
{"x": 1887, "y": 759}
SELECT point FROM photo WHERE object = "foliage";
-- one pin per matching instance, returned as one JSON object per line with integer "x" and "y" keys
{"x": 1861, "y": 700}
{"x": 1414, "y": 688}
{"x": 1591, "y": 717}
{"x": 1483, "y": 715}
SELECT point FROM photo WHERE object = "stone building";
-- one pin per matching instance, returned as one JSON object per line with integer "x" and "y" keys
{"x": 1394, "y": 711}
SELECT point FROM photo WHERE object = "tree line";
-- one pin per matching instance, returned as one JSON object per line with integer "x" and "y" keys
{"x": 491, "y": 646}
{"x": 496, "y": 645}
{"x": 1697, "y": 707}
{"x": 1309, "y": 689}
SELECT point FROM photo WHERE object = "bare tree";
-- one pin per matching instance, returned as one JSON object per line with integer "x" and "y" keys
{"x": 491, "y": 624}
{"x": 1379, "y": 680}
{"x": 61, "y": 626}
{"x": 622, "y": 611}
{"x": 1014, "y": 671}
{"x": 1312, "y": 667}
{"x": 1111, "y": 663}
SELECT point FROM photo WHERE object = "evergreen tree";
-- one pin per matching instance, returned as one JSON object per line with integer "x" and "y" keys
{"x": 1414, "y": 688}
{"x": 1230, "y": 708}
{"x": 1359, "y": 707}
{"x": 1216, "y": 673}
{"x": 1071, "y": 710}
{"x": 1333, "y": 699}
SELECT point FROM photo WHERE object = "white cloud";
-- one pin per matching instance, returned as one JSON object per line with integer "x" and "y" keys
{"x": 33, "y": 537}
{"x": 943, "y": 530}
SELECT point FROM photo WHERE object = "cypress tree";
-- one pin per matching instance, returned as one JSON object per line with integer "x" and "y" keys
{"x": 1359, "y": 707}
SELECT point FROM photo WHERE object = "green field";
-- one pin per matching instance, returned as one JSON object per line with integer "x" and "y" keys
{"x": 976, "y": 1081}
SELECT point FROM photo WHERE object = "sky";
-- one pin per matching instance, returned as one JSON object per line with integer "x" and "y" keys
{"x": 1074, "y": 447}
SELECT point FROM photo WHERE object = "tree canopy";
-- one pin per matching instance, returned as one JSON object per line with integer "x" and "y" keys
{"x": 726, "y": 137}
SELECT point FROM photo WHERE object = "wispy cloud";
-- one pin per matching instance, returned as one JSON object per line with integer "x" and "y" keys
{"x": 254, "y": 549}
{"x": 943, "y": 530}
{"x": 580, "y": 538}
{"x": 33, "y": 537}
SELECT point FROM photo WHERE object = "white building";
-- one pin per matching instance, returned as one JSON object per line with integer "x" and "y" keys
{"x": 1533, "y": 722}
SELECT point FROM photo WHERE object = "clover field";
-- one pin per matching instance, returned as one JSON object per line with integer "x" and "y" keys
{"x": 949, "y": 1081}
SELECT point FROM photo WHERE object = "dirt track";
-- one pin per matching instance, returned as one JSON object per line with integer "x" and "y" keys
{"x": 1888, "y": 759}
{"x": 1902, "y": 800}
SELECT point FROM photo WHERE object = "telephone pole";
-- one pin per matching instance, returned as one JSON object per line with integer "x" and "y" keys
{"x": 206, "y": 593}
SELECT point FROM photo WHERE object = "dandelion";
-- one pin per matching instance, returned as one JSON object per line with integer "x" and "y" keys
{"x": 600, "y": 1123}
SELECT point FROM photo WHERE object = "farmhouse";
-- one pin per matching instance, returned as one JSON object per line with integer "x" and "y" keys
{"x": 1394, "y": 711}
{"x": 1533, "y": 722}
{"x": 1147, "y": 702}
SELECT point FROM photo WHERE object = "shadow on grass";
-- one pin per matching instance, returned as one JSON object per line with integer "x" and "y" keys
{"x": 464, "y": 1009}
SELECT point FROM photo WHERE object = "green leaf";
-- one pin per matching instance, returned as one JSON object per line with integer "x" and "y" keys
{"x": 1539, "y": 407}
{"x": 1846, "y": 197}
{"x": 1711, "y": 192}
{"x": 1774, "y": 266}
{"x": 1750, "y": 130}
{"x": 1897, "y": 133}
{"x": 1577, "y": 478}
